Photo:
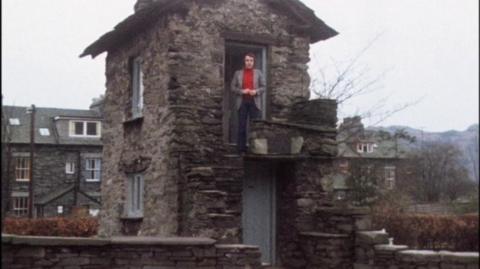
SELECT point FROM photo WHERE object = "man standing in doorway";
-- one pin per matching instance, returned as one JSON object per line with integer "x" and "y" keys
{"x": 249, "y": 85}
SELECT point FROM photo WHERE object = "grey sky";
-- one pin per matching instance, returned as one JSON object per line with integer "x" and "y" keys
{"x": 429, "y": 49}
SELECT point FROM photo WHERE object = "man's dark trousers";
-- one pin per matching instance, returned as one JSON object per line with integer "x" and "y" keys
{"x": 247, "y": 110}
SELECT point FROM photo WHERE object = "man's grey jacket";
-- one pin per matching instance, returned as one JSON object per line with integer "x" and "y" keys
{"x": 259, "y": 85}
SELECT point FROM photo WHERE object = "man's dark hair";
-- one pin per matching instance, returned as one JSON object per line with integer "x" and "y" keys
{"x": 250, "y": 54}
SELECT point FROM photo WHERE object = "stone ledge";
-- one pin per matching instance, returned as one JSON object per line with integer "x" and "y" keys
{"x": 419, "y": 256}
{"x": 385, "y": 247}
{"x": 120, "y": 240}
{"x": 57, "y": 241}
{"x": 324, "y": 235}
{"x": 463, "y": 257}
{"x": 372, "y": 237}
{"x": 235, "y": 246}
{"x": 162, "y": 241}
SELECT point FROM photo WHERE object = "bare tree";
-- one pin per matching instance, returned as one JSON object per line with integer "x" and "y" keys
{"x": 351, "y": 79}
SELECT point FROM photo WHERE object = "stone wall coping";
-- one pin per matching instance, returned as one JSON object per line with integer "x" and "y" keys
{"x": 345, "y": 211}
{"x": 445, "y": 256}
{"x": 54, "y": 241}
{"x": 95, "y": 241}
{"x": 235, "y": 246}
{"x": 164, "y": 241}
{"x": 324, "y": 235}
{"x": 300, "y": 126}
{"x": 372, "y": 237}
{"x": 464, "y": 257}
{"x": 387, "y": 247}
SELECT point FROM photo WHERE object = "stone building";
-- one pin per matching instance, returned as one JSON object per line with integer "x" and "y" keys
{"x": 66, "y": 161}
{"x": 377, "y": 155}
{"x": 170, "y": 167}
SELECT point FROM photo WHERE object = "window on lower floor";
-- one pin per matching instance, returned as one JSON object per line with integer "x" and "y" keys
{"x": 70, "y": 167}
{"x": 389, "y": 177}
{"x": 135, "y": 196}
{"x": 20, "y": 205}
{"x": 60, "y": 209}
{"x": 22, "y": 169}
{"x": 93, "y": 212}
{"x": 93, "y": 170}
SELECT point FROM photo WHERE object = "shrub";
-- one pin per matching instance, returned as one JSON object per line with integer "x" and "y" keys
{"x": 73, "y": 226}
{"x": 448, "y": 232}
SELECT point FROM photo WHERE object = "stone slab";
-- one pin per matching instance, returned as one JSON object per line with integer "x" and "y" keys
{"x": 460, "y": 257}
{"x": 58, "y": 241}
{"x": 161, "y": 241}
{"x": 419, "y": 256}
{"x": 324, "y": 235}
{"x": 386, "y": 247}
{"x": 372, "y": 237}
{"x": 235, "y": 246}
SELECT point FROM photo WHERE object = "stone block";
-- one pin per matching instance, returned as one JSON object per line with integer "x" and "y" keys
{"x": 460, "y": 257}
{"x": 33, "y": 252}
{"x": 420, "y": 256}
{"x": 371, "y": 237}
{"x": 451, "y": 266}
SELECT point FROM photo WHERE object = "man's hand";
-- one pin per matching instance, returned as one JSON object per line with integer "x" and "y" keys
{"x": 253, "y": 92}
{"x": 246, "y": 91}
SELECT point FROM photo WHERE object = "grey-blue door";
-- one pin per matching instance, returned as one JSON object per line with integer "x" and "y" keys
{"x": 259, "y": 209}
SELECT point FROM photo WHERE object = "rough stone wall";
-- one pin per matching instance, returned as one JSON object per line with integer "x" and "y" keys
{"x": 127, "y": 140}
{"x": 49, "y": 170}
{"x": 125, "y": 253}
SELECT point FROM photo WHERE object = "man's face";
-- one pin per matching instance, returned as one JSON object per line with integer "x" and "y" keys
{"x": 249, "y": 62}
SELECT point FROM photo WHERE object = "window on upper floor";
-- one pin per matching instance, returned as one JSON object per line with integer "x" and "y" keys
{"x": 44, "y": 131}
{"x": 136, "y": 74}
{"x": 134, "y": 206}
{"x": 70, "y": 167}
{"x": 20, "y": 204}
{"x": 93, "y": 169}
{"x": 14, "y": 121}
{"x": 85, "y": 128}
{"x": 365, "y": 147}
{"x": 389, "y": 177}
{"x": 22, "y": 169}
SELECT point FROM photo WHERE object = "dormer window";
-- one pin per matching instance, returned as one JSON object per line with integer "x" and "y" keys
{"x": 85, "y": 128}
{"x": 14, "y": 121}
{"x": 44, "y": 131}
{"x": 365, "y": 147}
{"x": 137, "y": 87}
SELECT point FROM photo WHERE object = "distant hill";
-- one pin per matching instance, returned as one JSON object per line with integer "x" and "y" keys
{"x": 466, "y": 140}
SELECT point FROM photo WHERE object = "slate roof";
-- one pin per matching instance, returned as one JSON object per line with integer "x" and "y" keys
{"x": 44, "y": 118}
{"x": 144, "y": 18}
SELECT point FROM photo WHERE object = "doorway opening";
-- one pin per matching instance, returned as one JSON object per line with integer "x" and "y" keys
{"x": 234, "y": 57}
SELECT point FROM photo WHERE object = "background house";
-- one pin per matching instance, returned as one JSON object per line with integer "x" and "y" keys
{"x": 374, "y": 158}
{"x": 67, "y": 159}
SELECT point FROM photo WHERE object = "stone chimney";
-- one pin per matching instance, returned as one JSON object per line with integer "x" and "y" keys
{"x": 142, "y": 4}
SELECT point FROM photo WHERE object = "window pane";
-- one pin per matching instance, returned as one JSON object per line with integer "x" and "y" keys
{"x": 78, "y": 128}
{"x": 91, "y": 128}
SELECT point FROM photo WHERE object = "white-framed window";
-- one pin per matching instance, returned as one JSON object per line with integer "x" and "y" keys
{"x": 137, "y": 87}
{"x": 93, "y": 169}
{"x": 70, "y": 167}
{"x": 93, "y": 212}
{"x": 85, "y": 128}
{"x": 60, "y": 209}
{"x": 14, "y": 121}
{"x": 22, "y": 169}
{"x": 20, "y": 204}
{"x": 389, "y": 177}
{"x": 365, "y": 147}
{"x": 44, "y": 131}
{"x": 135, "y": 195}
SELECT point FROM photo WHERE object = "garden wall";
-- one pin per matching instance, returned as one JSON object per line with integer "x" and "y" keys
{"x": 35, "y": 252}
{"x": 373, "y": 250}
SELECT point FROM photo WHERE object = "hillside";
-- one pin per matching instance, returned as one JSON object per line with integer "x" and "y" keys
{"x": 467, "y": 142}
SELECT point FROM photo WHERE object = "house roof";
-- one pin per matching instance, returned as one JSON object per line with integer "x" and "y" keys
{"x": 144, "y": 18}
{"x": 44, "y": 119}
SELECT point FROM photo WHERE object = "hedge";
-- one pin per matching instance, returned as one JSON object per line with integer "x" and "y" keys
{"x": 58, "y": 226}
{"x": 446, "y": 232}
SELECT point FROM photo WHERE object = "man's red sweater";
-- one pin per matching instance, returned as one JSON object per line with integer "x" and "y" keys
{"x": 247, "y": 82}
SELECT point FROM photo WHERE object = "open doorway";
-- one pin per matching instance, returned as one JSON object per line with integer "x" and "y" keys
{"x": 234, "y": 56}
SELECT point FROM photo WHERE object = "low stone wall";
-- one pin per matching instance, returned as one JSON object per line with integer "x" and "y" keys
{"x": 329, "y": 251}
{"x": 36, "y": 252}
{"x": 374, "y": 251}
